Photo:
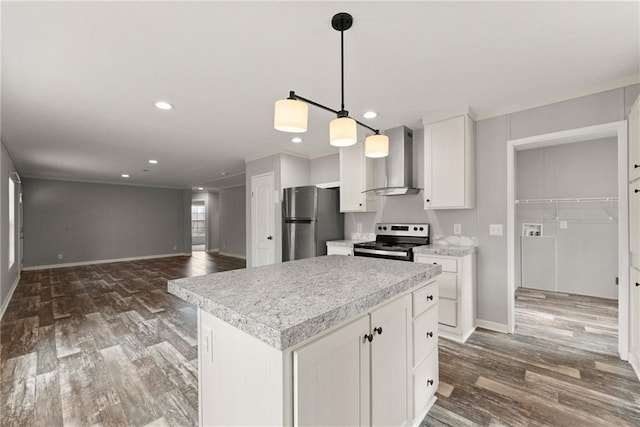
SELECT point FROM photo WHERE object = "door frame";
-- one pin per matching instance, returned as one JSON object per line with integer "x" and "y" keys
{"x": 613, "y": 129}
{"x": 204, "y": 201}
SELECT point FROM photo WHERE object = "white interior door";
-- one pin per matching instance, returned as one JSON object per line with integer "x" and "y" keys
{"x": 262, "y": 220}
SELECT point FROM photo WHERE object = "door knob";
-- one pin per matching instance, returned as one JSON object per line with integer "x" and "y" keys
{"x": 378, "y": 330}
{"x": 429, "y": 297}
{"x": 368, "y": 337}
{"x": 429, "y": 334}
{"x": 269, "y": 237}
{"x": 636, "y": 166}
{"x": 637, "y": 284}
{"x": 429, "y": 382}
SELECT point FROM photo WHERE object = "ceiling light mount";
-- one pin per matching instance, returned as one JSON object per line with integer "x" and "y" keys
{"x": 291, "y": 114}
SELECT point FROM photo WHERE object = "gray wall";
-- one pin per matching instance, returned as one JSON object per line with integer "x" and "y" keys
{"x": 7, "y": 276}
{"x": 325, "y": 169}
{"x": 91, "y": 222}
{"x": 491, "y": 183}
{"x": 232, "y": 210}
{"x": 586, "y": 251}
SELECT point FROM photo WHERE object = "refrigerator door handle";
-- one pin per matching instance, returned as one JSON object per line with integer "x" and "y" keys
{"x": 298, "y": 220}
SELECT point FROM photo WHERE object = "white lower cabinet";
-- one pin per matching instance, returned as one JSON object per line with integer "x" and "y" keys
{"x": 379, "y": 369}
{"x": 339, "y": 250}
{"x": 363, "y": 373}
{"x": 332, "y": 383}
{"x": 634, "y": 351}
{"x": 456, "y": 286}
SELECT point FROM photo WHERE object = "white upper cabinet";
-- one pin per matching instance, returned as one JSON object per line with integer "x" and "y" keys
{"x": 357, "y": 174}
{"x": 449, "y": 164}
{"x": 634, "y": 141}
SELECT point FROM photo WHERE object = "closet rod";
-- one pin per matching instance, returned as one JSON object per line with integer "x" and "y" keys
{"x": 568, "y": 200}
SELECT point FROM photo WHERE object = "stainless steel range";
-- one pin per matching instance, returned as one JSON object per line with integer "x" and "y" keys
{"x": 394, "y": 241}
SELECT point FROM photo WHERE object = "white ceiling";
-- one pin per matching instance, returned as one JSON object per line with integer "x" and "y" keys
{"x": 79, "y": 79}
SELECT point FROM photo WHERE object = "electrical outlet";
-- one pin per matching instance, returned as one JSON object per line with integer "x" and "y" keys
{"x": 207, "y": 344}
{"x": 175, "y": 247}
{"x": 457, "y": 228}
{"x": 495, "y": 229}
{"x": 563, "y": 225}
{"x": 60, "y": 256}
{"x": 359, "y": 227}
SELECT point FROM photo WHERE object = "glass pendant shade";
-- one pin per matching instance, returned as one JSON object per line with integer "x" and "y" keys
{"x": 343, "y": 132}
{"x": 291, "y": 116}
{"x": 376, "y": 146}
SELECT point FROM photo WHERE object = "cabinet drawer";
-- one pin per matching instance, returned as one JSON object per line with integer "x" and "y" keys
{"x": 424, "y": 298}
{"x": 425, "y": 334}
{"x": 425, "y": 383}
{"x": 339, "y": 250}
{"x": 448, "y": 285}
{"x": 448, "y": 312}
{"x": 448, "y": 264}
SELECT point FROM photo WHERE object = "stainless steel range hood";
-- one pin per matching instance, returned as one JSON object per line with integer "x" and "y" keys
{"x": 399, "y": 164}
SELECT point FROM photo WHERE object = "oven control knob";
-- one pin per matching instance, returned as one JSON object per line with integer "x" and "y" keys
{"x": 379, "y": 228}
{"x": 415, "y": 228}
{"x": 384, "y": 228}
{"x": 421, "y": 228}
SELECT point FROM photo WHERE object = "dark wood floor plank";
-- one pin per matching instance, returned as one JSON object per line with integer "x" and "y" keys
{"x": 120, "y": 350}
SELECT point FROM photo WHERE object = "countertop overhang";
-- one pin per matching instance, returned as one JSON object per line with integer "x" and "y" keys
{"x": 288, "y": 303}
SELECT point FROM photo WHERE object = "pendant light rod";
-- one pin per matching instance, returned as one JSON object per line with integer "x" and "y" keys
{"x": 342, "y": 67}
{"x": 293, "y": 95}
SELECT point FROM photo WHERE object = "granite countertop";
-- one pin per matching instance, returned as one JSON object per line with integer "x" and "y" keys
{"x": 344, "y": 243}
{"x": 444, "y": 250}
{"x": 285, "y": 304}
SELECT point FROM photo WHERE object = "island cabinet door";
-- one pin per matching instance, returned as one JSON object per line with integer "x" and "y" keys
{"x": 331, "y": 378}
{"x": 390, "y": 363}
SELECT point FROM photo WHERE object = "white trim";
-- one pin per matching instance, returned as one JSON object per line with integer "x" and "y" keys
{"x": 88, "y": 181}
{"x": 102, "y": 261}
{"x": 232, "y": 255}
{"x": 514, "y": 108}
{"x": 635, "y": 367}
{"x": 445, "y": 115}
{"x": 614, "y": 129}
{"x": 331, "y": 184}
{"x": 492, "y": 326}
{"x": 453, "y": 337}
{"x": 5, "y": 304}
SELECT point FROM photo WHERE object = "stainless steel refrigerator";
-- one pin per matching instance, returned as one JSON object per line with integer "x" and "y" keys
{"x": 311, "y": 217}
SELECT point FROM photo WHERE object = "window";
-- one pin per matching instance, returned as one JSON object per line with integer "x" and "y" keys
{"x": 197, "y": 220}
{"x": 12, "y": 222}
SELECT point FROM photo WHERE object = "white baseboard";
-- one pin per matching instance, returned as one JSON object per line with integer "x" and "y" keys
{"x": 102, "y": 261}
{"x": 5, "y": 304}
{"x": 634, "y": 365}
{"x": 492, "y": 326}
{"x": 232, "y": 255}
{"x": 213, "y": 250}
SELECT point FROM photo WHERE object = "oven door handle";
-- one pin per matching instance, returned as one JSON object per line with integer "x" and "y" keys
{"x": 379, "y": 252}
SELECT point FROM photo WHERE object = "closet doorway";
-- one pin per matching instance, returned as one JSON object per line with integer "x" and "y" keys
{"x": 568, "y": 233}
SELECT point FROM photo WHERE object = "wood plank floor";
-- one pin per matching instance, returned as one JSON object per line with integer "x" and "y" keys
{"x": 560, "y": 368}
{"x": 103, "y": 344}
{"x": 106, "y": 345}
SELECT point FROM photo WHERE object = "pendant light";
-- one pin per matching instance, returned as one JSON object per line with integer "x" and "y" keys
{"x": 291, "y": 114}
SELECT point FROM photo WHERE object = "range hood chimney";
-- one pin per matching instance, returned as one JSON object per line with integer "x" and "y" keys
{"x": 399, "y": 164}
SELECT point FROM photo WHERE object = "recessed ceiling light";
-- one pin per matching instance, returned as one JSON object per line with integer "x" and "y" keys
{"x": 370, "y": 115}
{"x": 223, "y": 173}
{"x": 163, "y": 105}
{"x": 296, "y": 139}
{"x": 153, "y": 162}
{"x": 125, "y": 175}
{"x": 200, "y": 188}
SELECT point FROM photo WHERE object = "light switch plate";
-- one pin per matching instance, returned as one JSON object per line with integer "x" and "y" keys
{"x": 495, "y": 229}
{"x": 457, "y": 228}
{"x": 359, "y": 227}
{"x": 563, "y": 225}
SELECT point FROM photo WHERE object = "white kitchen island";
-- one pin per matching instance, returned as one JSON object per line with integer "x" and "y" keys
{"x": 330, "y": 340}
